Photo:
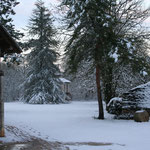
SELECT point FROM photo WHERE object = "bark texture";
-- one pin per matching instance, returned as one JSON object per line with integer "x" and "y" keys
{"x": 99, "y": 96}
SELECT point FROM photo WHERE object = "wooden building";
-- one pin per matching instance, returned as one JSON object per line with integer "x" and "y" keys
{"x": 7, "y": 43}
{"x": 7, "y": 46}
{"x": 66, "y": 88}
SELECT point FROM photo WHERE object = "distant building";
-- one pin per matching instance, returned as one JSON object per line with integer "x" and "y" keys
{"x": 66, "y": 88}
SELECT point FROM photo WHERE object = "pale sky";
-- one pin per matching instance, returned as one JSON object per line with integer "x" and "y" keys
{"x": 24, "y": 10}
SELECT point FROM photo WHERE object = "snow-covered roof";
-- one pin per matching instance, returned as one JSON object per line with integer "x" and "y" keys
{"x": 64, "y": 80}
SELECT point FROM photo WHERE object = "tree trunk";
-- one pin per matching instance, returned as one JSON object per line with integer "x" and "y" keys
{"x": 99, "y": 96}
{"x": 2, "y": 134}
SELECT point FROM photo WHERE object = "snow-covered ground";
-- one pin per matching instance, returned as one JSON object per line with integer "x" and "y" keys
{"x": 75, "y": 122}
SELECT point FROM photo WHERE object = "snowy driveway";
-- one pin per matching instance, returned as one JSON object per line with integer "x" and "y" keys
{"x": 75, "y": 122}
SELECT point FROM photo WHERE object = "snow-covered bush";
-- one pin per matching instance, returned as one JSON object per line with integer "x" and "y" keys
{"x": 131, "y": 101}
{"x": 115, "y": 105}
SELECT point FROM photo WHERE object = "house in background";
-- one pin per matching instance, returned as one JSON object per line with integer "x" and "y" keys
{"x": 65, "y": 85}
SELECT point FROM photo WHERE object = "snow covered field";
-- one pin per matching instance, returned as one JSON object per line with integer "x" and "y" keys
{"x": 75, "y": 122}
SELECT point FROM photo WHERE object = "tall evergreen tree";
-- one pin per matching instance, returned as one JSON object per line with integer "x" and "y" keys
{"x": 42, "y": 84}
{"x": 104, "y": 32}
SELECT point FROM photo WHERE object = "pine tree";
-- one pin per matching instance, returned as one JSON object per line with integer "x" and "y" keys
{"x": 105, "y": 32}
{"x": 6, "y": 11}
{"x": 42, "y": 85}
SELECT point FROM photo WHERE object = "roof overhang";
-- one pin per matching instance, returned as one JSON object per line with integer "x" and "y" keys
{"x": 7, "y": 43}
